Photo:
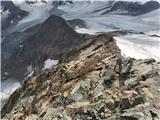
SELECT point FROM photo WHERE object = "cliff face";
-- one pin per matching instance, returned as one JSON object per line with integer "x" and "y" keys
{"x": 96, "y": 83}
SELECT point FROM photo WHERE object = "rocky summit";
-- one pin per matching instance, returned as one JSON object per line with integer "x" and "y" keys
{"x": 95, "y": 83}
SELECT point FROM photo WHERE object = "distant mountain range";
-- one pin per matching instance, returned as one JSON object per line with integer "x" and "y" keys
{"x": 132, "y": 8}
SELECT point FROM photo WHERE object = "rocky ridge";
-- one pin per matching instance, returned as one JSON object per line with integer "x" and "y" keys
{"x": 95, "y": 83}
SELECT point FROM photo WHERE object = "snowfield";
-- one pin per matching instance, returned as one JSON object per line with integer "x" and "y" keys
{"x": 139, "y": 46}
{"x": 103, "y": 23}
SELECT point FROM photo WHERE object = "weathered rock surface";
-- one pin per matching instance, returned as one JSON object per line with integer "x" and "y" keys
{"x": 96, "y": 83}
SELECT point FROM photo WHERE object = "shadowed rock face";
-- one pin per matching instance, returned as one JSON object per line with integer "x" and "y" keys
{"x": 53, "y": 40}
{"x": 15, "y": 14}
{"x": 134, "y": 8}
{"x": 12, "y": 44}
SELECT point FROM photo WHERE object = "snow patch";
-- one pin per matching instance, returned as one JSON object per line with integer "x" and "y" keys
{"x": 49, "y": 63}
{"x": 85, "y": 30}
{"x": 30, "y": 74}
{"x": 30, "y": 71}
{"x": 20, "y": 46}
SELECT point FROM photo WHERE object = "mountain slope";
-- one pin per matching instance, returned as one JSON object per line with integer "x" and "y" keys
{"x": 92, "y": 79}
{"x": 53, "y": 40}
{"x": 97, "y": 83}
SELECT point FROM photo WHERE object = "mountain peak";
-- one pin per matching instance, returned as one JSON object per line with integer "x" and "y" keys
{"x": 53, "y": 40}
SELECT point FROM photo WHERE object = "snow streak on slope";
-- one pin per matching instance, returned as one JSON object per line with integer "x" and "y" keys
{"x": 7, "y": 88}
{"x": 38, "y": 13}
{"x": 85, "y": 30}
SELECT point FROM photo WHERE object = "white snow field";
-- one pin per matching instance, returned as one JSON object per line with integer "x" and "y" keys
{"x": 38, "y": 13}
{"x": 139, "y": 46}
{"x": 136, "y": 45}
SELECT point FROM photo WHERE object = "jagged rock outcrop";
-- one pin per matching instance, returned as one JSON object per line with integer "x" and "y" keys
{"x": 96, "y": 83}
{"x": 132, "y": 8}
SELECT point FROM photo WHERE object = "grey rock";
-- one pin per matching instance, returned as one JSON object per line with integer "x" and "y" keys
{"x": 128, "y": 66}
{"x": 138, "y": 100}
{"x": 125, "y": 104}
{"x": 151, "y": 74}
{"x": 149, "y": 61}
